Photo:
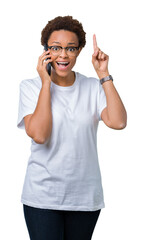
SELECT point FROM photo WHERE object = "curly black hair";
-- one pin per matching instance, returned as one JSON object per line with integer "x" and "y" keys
{"x": 64, "y": 23}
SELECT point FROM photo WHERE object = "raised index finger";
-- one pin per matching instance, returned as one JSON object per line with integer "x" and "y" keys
{"x": 94, "y": 42}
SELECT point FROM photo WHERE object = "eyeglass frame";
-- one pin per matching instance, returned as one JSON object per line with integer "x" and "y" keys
{"x": 77, "y": 48}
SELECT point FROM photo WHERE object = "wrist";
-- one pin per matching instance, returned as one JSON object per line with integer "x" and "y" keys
{"x": 46, "y": 83}
{"x": 107, "y": 83}
{"x": 103, "y": 74}
{"x": 105, "y": 79}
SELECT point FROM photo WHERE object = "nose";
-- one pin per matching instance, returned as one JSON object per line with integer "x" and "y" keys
{"x": 63, "y": 53}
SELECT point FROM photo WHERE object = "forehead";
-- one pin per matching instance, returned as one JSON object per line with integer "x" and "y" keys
{"x": 63, "y": 37}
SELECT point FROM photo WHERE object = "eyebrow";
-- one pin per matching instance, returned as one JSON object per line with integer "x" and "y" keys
{"x": 68, "y": 43}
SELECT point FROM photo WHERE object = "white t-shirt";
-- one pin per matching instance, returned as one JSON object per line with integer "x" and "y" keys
{"x": 64, "y": 172}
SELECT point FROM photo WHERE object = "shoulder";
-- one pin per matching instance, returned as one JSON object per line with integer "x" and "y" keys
{"x": 32, "y": 83}
{"x": 88, "y": 81}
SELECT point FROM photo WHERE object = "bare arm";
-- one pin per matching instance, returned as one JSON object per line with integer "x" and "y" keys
{"x": 114, "y": 115}
{"x": 39, "y": 124}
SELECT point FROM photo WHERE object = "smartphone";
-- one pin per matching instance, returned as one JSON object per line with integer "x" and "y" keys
{"x": 48, "y": 67}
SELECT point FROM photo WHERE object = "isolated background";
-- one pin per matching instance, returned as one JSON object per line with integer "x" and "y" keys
{"x": 118, "y": 26}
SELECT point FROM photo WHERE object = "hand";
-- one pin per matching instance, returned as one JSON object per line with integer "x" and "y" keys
{"x": 99, "y": 60}
{"x": 41, "y": 66}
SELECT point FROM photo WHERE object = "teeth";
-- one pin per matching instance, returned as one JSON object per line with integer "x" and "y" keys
{"x": 62, "y": 62}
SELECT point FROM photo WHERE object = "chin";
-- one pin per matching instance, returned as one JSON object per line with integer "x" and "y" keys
{"x": 61, "y": 73}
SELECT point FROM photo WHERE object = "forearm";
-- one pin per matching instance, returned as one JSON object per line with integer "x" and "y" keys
{"x": 40, "y": 124}
{"x": 115, "y": 109}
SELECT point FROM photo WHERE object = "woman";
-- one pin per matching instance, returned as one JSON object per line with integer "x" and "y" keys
{"x": 62, "y": 193}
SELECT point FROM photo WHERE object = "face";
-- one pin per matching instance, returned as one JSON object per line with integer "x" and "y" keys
{"x": 63, "y": 38}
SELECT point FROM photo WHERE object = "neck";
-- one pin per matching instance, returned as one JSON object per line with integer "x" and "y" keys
{"x": 63, "y": 81}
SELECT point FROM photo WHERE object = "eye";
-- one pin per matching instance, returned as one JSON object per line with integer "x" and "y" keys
{"x": 71, "y": 49}
{"x": 55, "y": 48}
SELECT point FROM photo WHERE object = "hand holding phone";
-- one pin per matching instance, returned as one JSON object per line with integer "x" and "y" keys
{"x": 48, "y": 67}
{"x": 42, "y": 67}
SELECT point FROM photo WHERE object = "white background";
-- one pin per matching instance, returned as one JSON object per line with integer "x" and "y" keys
{"x": 118, "y": 26}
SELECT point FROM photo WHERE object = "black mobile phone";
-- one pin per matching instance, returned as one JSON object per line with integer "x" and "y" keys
{"x": 48, "y": 67}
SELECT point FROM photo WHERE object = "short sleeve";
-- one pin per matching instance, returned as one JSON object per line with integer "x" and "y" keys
{"x": 27, "y": 102}
{"x": 102, "y": 103}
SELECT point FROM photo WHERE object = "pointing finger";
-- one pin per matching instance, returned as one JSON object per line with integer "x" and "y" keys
{"x": 95, "y": 43}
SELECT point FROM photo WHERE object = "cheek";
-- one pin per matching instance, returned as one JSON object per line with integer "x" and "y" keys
{"x": 53, "y": 58}
{"x": 73, "y": 61}
{"x": 53, "y": 63}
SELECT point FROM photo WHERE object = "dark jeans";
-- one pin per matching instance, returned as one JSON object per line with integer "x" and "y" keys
{"x": 49, "y": 224}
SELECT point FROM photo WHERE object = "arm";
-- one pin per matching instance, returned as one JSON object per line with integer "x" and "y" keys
{"x": 39, "y": 124}
{"x": 114, "y": 115}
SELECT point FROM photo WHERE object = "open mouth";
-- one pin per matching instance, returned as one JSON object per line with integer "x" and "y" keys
{"x": 62, "y": 65}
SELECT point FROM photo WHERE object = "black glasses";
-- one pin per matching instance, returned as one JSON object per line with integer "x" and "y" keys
{"x": 56, "y": 50}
